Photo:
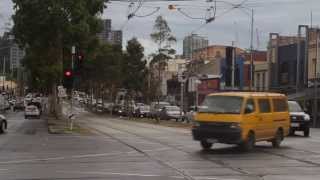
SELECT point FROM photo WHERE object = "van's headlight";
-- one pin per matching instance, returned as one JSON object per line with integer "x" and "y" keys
{"x": 235, "y": 125}
{"x": 196, "y": 124}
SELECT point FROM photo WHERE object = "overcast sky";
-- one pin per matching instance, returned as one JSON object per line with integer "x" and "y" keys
{"x": 282, "y": 16}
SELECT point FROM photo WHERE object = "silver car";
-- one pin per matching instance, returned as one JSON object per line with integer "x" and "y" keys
{"x": 171, "y": 112}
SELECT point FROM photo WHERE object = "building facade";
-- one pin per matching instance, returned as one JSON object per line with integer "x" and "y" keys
{"x": 107, "y": 35}
{"x": 106, "y": 29}
{"x": 10, "y": 54}
{"x": 193, "y": 42}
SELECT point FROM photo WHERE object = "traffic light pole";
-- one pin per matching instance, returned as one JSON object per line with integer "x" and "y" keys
{"x": 71, "y": 117}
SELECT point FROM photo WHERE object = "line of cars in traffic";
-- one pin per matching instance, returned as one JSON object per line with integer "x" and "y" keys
{"x": 156, "y": 110}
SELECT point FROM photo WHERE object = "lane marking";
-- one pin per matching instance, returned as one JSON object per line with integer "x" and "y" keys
{"x": 79, "y": 156}
{"x": 120, "y": 174}
{"x": 141, "y": 175}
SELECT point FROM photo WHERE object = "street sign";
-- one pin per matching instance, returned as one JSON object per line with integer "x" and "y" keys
{"x": 62, "y": 92}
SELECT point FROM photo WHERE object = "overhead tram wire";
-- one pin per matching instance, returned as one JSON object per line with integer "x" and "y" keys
{"x": 234, "y": 6}
{"x": 150, "y": 14}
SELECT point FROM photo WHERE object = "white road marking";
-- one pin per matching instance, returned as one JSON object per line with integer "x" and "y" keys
{"x": 79, "y": 156}
{"x": 69, "y": 157}
{"x": 120, "y": 174}
{"x": 140, "y": 175}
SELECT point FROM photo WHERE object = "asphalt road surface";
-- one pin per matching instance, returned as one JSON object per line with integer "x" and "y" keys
{"x": 121, "y": 149}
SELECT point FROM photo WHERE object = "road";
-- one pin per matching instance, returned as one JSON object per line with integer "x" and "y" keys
{"x": 122, "y": 149}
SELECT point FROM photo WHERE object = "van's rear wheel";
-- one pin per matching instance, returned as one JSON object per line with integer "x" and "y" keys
{"x": 277, "y": 139}
{"x": 249, "y": 144}
{"x": 205, "y": 145}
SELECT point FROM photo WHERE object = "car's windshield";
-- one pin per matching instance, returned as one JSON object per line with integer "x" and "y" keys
{"x": 221, "y": 104}
{"x": 294, "y": 107}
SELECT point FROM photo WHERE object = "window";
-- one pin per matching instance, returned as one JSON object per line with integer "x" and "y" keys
{"x": 222, "y": 105}
{"x": 279, "y": 105}
{"x": 250, "y": 108}
{"x": 264, "y": 105}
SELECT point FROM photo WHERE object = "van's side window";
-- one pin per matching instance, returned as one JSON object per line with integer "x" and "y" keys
{"x": 280, "y": 105}
{"x": 264, "y": 105}
{"x": 250, "y": 108}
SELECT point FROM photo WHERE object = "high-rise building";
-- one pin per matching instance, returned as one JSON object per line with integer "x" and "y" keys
{"x": 193, "y": 42}
{"x": 108, "y": 35}
{"x": 106, "y": 28}
{"x": 11, "y": 53}
{"x": 115, "y": 37}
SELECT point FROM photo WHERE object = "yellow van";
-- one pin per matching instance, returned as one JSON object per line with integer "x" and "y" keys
{"x": 242, "y": 118}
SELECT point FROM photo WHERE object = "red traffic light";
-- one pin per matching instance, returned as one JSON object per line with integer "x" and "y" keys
{"x": 68, "y": 73}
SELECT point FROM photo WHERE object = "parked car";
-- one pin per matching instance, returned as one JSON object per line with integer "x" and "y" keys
{"x": 156, "y": 107}
{"x": 142, "y": 111}
{"x": 3, "y": 124}
{"x": 190, "y": 114}
{"x": 12, "y": 101}
{"x": 19, "y": 105}
{"x": 117, "y": 110}
{"x": 5, "y": 105}
{"x": 108, "y": 106}
{"x": 32, "y": 110}
{"x": 99, "y": 107}
{"x": 300, "y": 121}
{"x": 171, "y": 112}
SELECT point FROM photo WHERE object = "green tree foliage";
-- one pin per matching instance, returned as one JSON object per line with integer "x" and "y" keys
{"x": 162, "y": 35}
{"x": 134, "y": 67}
{"x": 103, "y": 70}
{"x": 48, "y": 29}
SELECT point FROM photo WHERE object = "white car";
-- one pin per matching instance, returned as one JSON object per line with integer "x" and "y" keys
{"x": 300, "y": 121}
{"x": 31, "y": 111}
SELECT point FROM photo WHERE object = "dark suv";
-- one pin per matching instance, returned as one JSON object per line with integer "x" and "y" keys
{"x": 300, "y": 121}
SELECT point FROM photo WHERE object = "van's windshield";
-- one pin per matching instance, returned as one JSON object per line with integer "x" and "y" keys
{"x": 222, "y": 105}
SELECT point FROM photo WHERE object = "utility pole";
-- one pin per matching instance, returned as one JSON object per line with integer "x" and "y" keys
{"x": 3, "y": 71}
{"x": 181, "y": 97}
{"x": 233, "y": 65}
{"x": 315, "y": 101}
{"x": 73, "y": 52}
{"x": 251, "y": 51}
{"x": 298, "y": 60}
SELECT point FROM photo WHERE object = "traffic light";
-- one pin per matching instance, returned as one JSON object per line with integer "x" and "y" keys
{"x": 68, "y": 77}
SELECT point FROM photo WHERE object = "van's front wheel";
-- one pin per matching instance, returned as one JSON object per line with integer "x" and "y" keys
{"x": 205, "y": 145}
{"x": 249, "y": 144}
{"x": 277, "y": 139}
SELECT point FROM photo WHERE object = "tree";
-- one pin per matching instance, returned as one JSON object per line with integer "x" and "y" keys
{"x": 133, "y": 71}
{"x": 48, "y": 29}
{"x": 162, "y": 35}
{"x": 134, "y": 67}
{"x": 103, "y": 71}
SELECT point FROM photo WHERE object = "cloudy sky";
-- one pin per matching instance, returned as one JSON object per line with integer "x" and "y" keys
{"x": 282, "y": 16}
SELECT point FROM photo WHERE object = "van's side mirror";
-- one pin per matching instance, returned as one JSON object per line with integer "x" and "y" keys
{"x": 196, "y": 109}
